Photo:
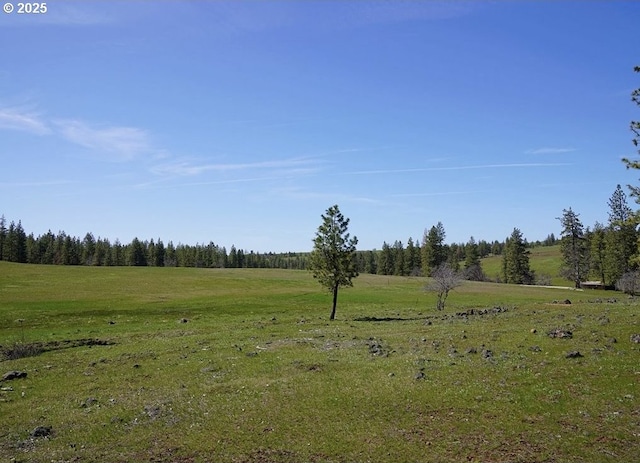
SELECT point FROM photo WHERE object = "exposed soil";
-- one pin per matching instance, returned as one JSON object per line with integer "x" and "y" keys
{"x": 22, "y": 350}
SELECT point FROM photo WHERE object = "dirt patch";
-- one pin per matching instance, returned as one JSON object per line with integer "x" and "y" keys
{"x": 22, "y": 350}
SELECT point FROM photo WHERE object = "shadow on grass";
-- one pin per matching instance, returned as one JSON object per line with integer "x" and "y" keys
{"x": 21, "y": 350}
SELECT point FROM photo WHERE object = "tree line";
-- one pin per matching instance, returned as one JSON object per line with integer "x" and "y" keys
{"x": 64, "y": 249}
{"x": 412, "y": 259}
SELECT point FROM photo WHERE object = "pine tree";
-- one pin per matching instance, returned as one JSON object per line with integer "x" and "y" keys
{"x": 137, "y": 253}
{"x": 434, "y": 252}
{"x": 635, "y": 129}
{"x": 411, "y": 258}
{"x": 398, "y": 258}
{"x": 332, "y": 260}
{"x": 88, "y": 249}
{"x": 471, "y": 255}
{"x": 597, "y": 251}
{"x": 472, "y": 267}
{"x": 515, "y": 260}
{"x": 3, "y": 236}
{"x": 621, "y": 238}
{"x": 385, "y": 260}
{"x": 573, "y": 246}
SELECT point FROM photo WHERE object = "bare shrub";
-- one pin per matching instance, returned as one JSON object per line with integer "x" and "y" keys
{"x": 629, "y": 283}
{"x": 443, "y": 280}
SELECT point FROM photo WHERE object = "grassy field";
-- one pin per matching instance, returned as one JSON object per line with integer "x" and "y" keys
{"x": 204, "y": 365}
{"x": 544, "y": 260}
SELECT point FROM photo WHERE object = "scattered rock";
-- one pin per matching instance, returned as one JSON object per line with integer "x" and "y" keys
{"x": 486, "y": 354}
{"x": 14, "y": 375}
{"x": 560, "y": 333}
{"x": 535, "y": 349}
{"x": 574, "y": 354}
{"x": 184, "y": 320}
{"x": 41, "y": 431}
{"x": 635, "y": 338}
{"x": 419, "y": 375}
{"x": 152, "y": 411}
{"x": 251, "y": 354}
{"x": 471, "y": 350}
{"x": 486, "y": 311}
{"x": 111, "y": 322}
{"x": 89, "y": 402}
{"x": 376, "y": 348}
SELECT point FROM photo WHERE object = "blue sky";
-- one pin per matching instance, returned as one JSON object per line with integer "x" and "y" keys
{"x": 241, "y": 122}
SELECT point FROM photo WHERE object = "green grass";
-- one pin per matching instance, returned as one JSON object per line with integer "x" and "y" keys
{"x": 544, "y": 260}
{"x": 259, "y": 374}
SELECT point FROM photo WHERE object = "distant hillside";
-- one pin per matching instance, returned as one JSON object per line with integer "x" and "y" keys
{"x": 544, "y": 260}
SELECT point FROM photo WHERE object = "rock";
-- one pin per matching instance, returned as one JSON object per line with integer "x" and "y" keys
{"x": 419, "y": 375}
{"x": 560, "y": 333}
{"x": 566, "y": 301}
{"x": 535, "y": 349}
{"x": 184, "y": 320}
{"x": 41, "y": 431}
{"x": 487, "y": 354}
{"x": 14, "y": 375}
{"x": 533, "y": 331}
{"x": 635, "y": 338}
{"x": 152, "y": 411}
{"x": 574, "y": 354}
{"x": 89, "y": 402}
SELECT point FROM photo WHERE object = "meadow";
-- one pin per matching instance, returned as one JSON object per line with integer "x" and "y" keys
{"x": 243, "y": 365}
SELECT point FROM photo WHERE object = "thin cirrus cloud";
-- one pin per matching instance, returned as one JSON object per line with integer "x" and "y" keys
{"x": 23, "y": 120}
{"x": 472, "y": 167}
{"x": 113, "y": 143}
{"x": 116, "y": 143}
{"x": 185, "y": 168}
{"x": 548, "y": 150}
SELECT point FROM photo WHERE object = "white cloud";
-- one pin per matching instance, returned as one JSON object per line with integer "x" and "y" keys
{"x": 17, "y": 119}
{"x": 118, "y": 143}
{"x": 486, "y": 166}
{"x": 187, "y": 168}
{"x": 550, "y": 151}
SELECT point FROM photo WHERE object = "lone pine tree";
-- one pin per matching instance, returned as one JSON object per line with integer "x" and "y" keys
{"x": 333, "y": 259}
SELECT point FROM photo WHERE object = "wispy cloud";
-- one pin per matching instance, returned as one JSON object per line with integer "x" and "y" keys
{"x": 117, "y": 143}
{"x": 23, "y": 120}
{"x": 187, "y": 168}
{"x": 550, "y": 151}
{"x": 34, "y": 184}
{"x": 439, "y": 193}
{"x": 454, "y": 168}
{"x": 299, "y": 193}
